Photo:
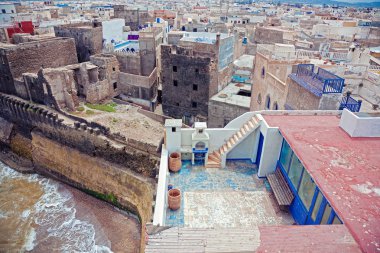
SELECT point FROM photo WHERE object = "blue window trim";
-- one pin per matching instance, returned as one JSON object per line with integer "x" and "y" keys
{"x": 324, "y": 201}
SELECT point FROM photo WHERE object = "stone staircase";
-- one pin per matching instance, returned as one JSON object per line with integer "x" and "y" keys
{"x": 186, "y": 240}
{"x": 215, "y": 159}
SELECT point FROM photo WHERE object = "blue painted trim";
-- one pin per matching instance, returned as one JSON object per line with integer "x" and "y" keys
{"x": 241, "y": 159}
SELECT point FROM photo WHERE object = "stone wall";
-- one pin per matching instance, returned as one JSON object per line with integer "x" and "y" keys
{"x": 88, "y": 38}
{"x": 129, "y": 63}
{"x": 177, "y": 101}
{"x": 31, "y": 56}
{"x": 219, "y": 114}
{"x": 82, "y": 154}
{"x": 298, "y": 98}
{"x": 97, "y": 175}
{"x": 264, "y": 35}
{"x": 89, "y": 138}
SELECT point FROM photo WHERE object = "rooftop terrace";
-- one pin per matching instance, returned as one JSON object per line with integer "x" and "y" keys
{"x": 224, "y": 198}
{"x": 318, "y": 83}
{"x": 345, "y": 169}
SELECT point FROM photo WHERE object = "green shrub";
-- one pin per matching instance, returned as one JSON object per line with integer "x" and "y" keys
{"x": 80, "y": 109}
{"x": 103, "y": 107}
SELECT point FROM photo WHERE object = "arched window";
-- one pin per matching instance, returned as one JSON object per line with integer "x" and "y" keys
{"x": 275, "y": 106}
{"x": 267, "y": 102}
{"x": 200, "y": 146}
{"x": 259, "y": 99}
{"x": 263, "y": 72}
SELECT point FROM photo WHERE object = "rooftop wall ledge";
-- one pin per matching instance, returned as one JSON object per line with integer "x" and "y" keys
{"x": 360, "y": 124}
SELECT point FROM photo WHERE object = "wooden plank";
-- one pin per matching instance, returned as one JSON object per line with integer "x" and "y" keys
{"x": 280, "y": 188}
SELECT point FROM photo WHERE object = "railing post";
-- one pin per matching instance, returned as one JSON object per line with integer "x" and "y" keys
{"x": 359, "y": 104}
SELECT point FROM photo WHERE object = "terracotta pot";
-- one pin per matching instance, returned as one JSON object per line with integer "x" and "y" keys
{"x": 174, "y": 199}
{"x": 175, "y": 162}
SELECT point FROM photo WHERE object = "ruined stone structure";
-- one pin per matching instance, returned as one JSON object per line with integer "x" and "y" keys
{"x": 63, "y": 87}
{"x": 194, "y": 71}
{"x": 134, "y": 17}
{"x": 30, "y": 57}
{"x": 186, "y": 82}
{"x": 88, "y": 38}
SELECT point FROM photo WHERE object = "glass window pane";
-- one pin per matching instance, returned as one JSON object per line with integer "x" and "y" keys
{"x": 295, "y": 171}
{"x": 286, "y": 153}
{"x": 336, "y": 220}
{"x": 316, "y": 206}
{"x": 306, "y": 190}
{"x": 326, "y": 214}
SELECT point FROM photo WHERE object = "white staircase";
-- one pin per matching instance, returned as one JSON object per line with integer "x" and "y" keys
{"x": 217, "y": 159}
{"x": 186, "y": 240}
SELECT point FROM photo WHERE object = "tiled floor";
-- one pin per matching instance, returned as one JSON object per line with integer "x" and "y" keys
{"x": 231, "y": 197}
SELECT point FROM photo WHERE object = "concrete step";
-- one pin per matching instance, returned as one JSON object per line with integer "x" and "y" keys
{"x": 229, "y": 144}
{"x": 225, "y": 148}
{"x": 216, "y": 153}
{"x": 236, "y": 138}
{"x": 205, "y": 240}
{"x": 251, "y": 125}
{"x": 239, "y": 135}
{"x": 214, "y": 158}
{"x": 242, "y": 131}
{"x": 246, "y": 127}
{"x": 212, "y": 164}
{"x": 232, "y": 140}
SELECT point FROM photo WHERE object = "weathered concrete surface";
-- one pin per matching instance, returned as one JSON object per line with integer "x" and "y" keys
{"x": 95, "y": 174}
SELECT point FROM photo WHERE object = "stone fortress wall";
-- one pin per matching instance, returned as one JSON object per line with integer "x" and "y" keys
{"x": 82, "y": 154}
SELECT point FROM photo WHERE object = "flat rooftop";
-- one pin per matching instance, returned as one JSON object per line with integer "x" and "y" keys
{"x": 346, "y": 170}
{"x": 229, "y": 95}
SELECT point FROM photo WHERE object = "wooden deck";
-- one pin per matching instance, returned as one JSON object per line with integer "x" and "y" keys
{"x": 187, "y": 240}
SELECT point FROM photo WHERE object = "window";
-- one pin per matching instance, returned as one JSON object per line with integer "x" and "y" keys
{"x": 275, "y": 106}
{"x": 194, "y": 104}
{"x": 267, "y": 102}
{"x": 175, "y": 83}
{"x": 113, "y": 68}
{"x": 115, "y": 85}
{"x": 12, "y": 11}
{"x": 195, "y": 86}
{"x": 295, "y": 171}
{"x": 326, "y": 214}
{"x": 286, "y": 155}
{"x": 259, "y": 99}
{"x": 317, "y": 205}
{"x": 177, "y": 104}
{"x": 263, "y": 72}
{"x": 3, "y": 11}
{"x": 307, "y": 189}
{"x": 174, "y": 68}
{"x": 173, "y": 129}
{"x": 196, "y": 70}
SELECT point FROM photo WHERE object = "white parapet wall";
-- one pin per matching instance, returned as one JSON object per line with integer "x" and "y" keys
{"x": 162, "y": 190}
{"x": 270, "y": 150}
{"x": 360, "y": 126}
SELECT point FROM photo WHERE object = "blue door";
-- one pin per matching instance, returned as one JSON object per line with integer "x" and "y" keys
{"x": 260, "y": 149}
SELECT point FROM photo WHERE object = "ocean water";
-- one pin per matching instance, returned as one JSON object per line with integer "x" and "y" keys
{"x": 42, "y": 215}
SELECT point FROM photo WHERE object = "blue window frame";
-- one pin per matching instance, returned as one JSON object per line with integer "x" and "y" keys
{"x": 309, "y": 205}
{"x": 286, "y": 155}
{"x": 295, "y": 172}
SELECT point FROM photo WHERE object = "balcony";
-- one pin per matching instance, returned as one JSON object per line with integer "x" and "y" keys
{"x": 350, "y": 103}
{"x": 321, "y": 82}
